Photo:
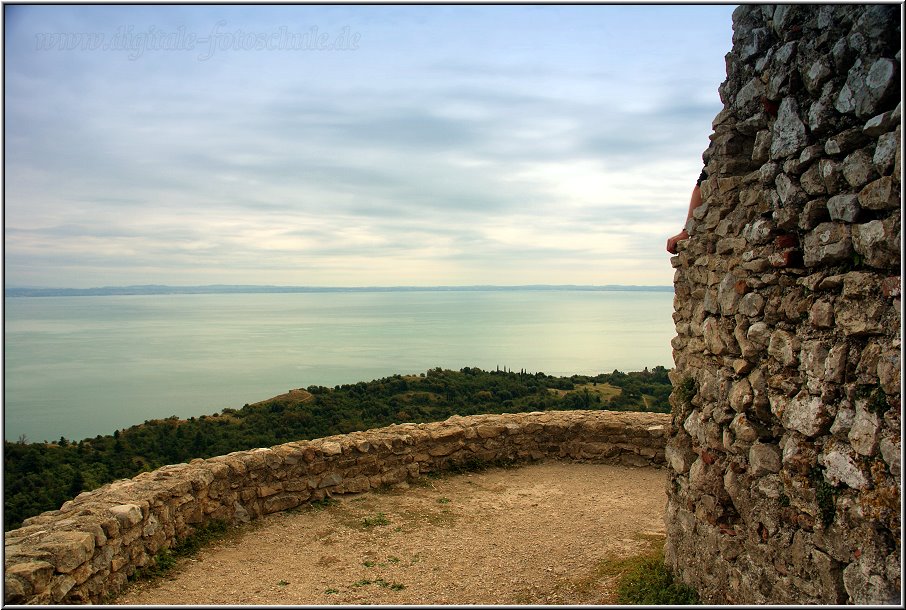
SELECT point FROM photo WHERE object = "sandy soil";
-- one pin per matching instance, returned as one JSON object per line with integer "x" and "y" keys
{"x": 530, "y": 535}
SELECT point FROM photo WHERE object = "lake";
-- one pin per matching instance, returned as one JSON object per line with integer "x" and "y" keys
{"x": 82, "y": 366}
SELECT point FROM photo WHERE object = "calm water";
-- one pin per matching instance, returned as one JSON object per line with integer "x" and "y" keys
{"x": 82, "y": 366}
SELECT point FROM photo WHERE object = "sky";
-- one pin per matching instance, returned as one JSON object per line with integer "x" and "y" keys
{"x": 353, "y": 145}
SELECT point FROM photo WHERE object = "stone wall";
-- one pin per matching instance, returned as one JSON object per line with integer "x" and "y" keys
{"x": 86, "y": 550}
{"x": 785, "y": 449}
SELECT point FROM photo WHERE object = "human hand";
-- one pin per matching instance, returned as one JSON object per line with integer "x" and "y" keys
{"x": 671, "y": 243}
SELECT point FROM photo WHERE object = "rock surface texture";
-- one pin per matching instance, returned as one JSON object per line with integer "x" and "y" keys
{"x": 86, "y": 551}
{"x": 785, "y": 448}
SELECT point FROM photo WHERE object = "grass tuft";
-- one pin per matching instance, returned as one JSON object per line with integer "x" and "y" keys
{"x": 643, "y": 579}
{"x": 647, "y": 581}
{"x": 378, "y": 519}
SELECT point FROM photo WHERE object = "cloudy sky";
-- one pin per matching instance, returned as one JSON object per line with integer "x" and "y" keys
{"x": 354, "y": 146}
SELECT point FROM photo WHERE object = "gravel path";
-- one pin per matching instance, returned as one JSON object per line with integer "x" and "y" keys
{"x": 529, "y": 535}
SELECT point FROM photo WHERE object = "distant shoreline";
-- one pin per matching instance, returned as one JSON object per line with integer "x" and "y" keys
{"x": 157, "y": 289}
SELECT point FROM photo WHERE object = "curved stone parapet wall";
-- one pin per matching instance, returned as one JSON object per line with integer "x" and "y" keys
{"x": 785, "y": 449}
{"x": 86, "y": 550}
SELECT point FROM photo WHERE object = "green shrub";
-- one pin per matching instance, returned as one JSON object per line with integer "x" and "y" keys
{"x": 644, "y": 578}
{"x": 825, "y": 494}
{"x": 686, "y": 390}
{"x": 649, "y": 582}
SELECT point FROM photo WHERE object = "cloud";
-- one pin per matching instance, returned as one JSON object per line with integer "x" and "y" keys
{"x": 530, "y": 136}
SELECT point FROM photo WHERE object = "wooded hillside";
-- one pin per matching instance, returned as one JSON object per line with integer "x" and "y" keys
{"x": 41, "y": 476}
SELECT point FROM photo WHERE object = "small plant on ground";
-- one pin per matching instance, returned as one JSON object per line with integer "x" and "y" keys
{"x": 644, "y": 578}
{"x": 378, "y": 519}
{"x": 443, "y": 500}
{"x": 393, "y": 586}
{"x": 649, "y": 582}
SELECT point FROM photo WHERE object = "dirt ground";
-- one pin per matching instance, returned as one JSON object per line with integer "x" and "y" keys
{"x": 537, "y": 534}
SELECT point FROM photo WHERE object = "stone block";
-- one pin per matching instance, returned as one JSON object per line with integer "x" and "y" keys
{"x": 713, "y": 337}
{"x": 815, "y": 75}
{"x": 741, "y": 395}
{"x": 886, "y": 152}
{"x": 880, "y": 124}
{"x": 758, "y": 232}
{"x": 803, "y": 413}
{"x": 127, "y": 514}
{"x": 788, "y": 132}
{"x": 830, "y": 243}
{"x": 330, "y": 479}
{"x": 34, "y": 575}
{"x": 835, "y": 364}
{"x": 891, "y": 287}
{"x": 764, "y": 458}
{"x": 727, "y": 295}
{"x": 821, "y": 314}
{"x": 867, "y": 85}
{"x": 882, "y": 194}
{"x": 280, "y": 502}
{"x": 841, "y": 466}
{"x": 61, "y": 586}
{"x": 813, "y": 214}
{"x": 706, "y": 478}
{"x": 820, "y": 116}
{"x": 751, "y": 305}
{"x": 331, "y": 448}
{"x": 784, "y": 347}
{"x": 761, "y": 151}
{"x": 843, "y": 421}
{"x": 863, "y": 434}
{"x": 743, "y": 429}
{"x": 890, "y": 452}
{"x": 860, "y": 318}
{"x": 263, "y": 491}
{"x": 889, "y": 372}
{"x": 831, "y": 174}
{"x": 759, "y": 333}
{"x": 68, "y": 550}
{"x": 844, "y": 207}
{"x": 845, "y": 142}
{"x": 859, "y": 285}
{"x": 812, "y": 182}
{"x": 858, "y": 168}
{"x": 791, "y": 194}
{"x": 810, "y": 154}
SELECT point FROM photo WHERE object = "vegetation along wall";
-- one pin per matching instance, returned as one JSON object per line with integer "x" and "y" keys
{"x": 87, "y": 550}
{"x": 785, "y": 449}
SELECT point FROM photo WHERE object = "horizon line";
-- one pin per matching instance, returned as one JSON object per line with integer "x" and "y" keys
{"x": 20, "y": 291}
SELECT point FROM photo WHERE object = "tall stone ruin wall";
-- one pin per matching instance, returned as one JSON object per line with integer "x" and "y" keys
{"x": 785, "y": 446}
{"x": 87, "y": 550}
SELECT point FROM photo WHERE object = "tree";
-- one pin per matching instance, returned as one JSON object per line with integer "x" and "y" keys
{"x": 77, "y": 484}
